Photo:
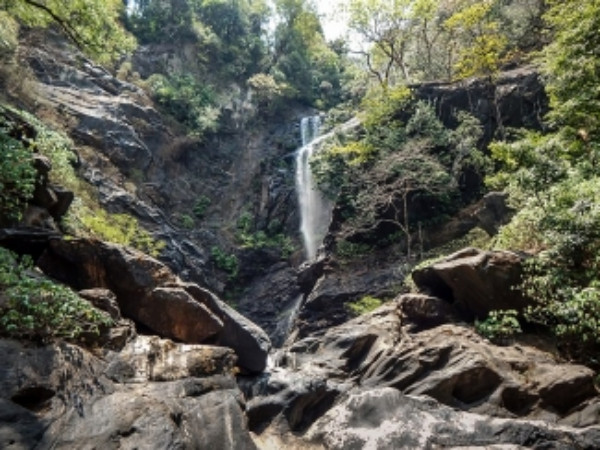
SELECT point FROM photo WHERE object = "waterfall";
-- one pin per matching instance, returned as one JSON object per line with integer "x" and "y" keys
{"x": 315, "y": 210}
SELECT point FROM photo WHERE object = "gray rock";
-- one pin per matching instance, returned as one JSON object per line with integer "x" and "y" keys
{"x": 384, "y": 418}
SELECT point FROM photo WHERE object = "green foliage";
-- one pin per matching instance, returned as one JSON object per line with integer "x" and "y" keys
{"x": 120, "y": 229}
{"x": 227, "y": 35}
{"x": 364, "y": 305}
{"x": 17, "y": 178}
{"x": 188, "y": 101}
{"x": 349, "y": 250}
{"x": 571, "y": 65}
{"x": 499, "y": 326}
{"x": 224, "y": 261}
{"x": 93, "y": 25}
{"x": 483, "y": 42}
{"x": 552, "y": 179}
{"x": 201, "y": 206}
{"x": 187, "y": 222}
{"x": 249, "y": 238}
{"x": 312, "y": 69}
{"x": 38, "y": 309}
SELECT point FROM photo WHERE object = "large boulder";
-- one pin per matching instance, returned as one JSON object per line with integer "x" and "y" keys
{"x": 150, "y": 294}
{"x": 249, "y": 341}
{"x": 153, "y": 394}
{"x": 475, "y": 281}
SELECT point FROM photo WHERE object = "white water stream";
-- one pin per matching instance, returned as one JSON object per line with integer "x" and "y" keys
{"x": 315, "y": 209}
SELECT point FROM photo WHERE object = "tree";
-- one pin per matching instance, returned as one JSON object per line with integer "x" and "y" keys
{"x": 302, "y": 57}
{"x": 482, "y": 42}
{"x": 571, "y": 65}
{"x": 388, "y": 26}
{"x": 93, "y": 25}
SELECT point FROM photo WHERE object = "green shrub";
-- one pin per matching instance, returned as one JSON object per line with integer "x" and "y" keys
{"x": 248, "y": 238}
{"x": 187, "y": 101}
{"x": 201, "y": 206}
{"x": 499, "y": 326}
{"x": 227, "y": 262}
{"x": 364, "y": 305}
{"x": 187, "y": 221}
{"x": 17, "y": 178}
{"x": 38, "y": 309}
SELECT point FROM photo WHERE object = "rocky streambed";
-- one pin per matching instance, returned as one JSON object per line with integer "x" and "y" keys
{"x": 196, "y": 374}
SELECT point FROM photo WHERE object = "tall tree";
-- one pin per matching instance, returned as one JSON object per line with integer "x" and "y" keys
{"x": 93, "y": 25}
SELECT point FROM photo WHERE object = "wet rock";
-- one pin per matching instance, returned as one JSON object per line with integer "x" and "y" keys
{"x": 475, "y": 281}
{"x": 384, "y": 418}
{"x": 517, "y": 99}
{"x": 271, "y": 301}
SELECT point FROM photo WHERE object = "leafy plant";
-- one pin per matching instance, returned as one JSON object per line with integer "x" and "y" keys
{"x": 38, "y": 309}
{"x": 17, "y": 178}
{"x": 227, "y": 262}
{"x": 201, "y": 206}
{"x": 187, "y": 221}
{"x": 499, "y": 326}
{"x": 121, "y": 229}
{"x": 364, "y": 305}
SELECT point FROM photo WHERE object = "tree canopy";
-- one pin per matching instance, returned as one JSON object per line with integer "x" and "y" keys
{"x": 93, "y": 25}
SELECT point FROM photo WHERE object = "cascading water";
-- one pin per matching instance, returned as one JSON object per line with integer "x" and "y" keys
{"x": 315, "y": 210}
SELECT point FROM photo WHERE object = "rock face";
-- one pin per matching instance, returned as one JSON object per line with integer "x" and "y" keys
{"x": 384, "y": 418}
{"x": 346, "y": 388}
{"x": 150, "y": 294}
{"x": 154, "y": 394}
{"x": 475, "y": 281}
{"x": 517, "y": 100}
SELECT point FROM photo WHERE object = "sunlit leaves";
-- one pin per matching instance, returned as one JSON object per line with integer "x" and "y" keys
{"x": 94, "y": 25}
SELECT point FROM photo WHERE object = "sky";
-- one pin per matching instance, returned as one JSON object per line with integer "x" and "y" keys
{"x": 331, "y": 18}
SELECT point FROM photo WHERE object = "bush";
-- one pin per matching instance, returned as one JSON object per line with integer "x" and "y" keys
{"x": 17, "y": 178}
{"x": 187, "y": 101}
{"x": 364, "y": 305}
{"x": 499, "y": 326}
{"x": 227, "y": 262}
{"x": 39, "y": 309}
{"x": 201, "y": 206}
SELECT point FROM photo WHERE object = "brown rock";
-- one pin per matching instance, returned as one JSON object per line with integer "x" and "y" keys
{"x": 423, "y": 311}
{"x": 174, "y": 313}
{"x": 103, "y": 299}
{"x": 475, "y": 281}
{"x": 150, "y": 294}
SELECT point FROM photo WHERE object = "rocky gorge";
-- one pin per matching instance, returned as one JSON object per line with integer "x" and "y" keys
{"x": 287, "y": 364}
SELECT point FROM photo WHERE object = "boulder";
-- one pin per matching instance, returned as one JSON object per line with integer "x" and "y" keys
{"x": 247, "y": 339}
{"x": 150, "y": 294}
{"x": 103, "y": 299}
{"x": 423, "y": 311}
{"x": 475, "y": 281}
{"x": 172, "y": 312}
